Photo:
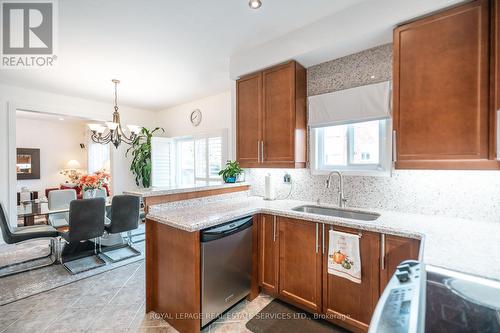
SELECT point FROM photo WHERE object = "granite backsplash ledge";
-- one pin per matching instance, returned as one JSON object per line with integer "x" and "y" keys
{"x": 472, "y": 195}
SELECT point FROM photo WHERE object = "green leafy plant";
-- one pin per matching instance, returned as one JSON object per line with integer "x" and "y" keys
{"x": 232, "y": 169}
{"x": 140, "y": 150}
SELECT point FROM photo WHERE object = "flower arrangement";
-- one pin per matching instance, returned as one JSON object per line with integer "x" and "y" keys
{"x": 93, "y": 182}
{"x": 72, "y": 174}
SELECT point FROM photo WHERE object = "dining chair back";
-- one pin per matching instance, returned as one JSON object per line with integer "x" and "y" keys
{"x": 60, "y": 199}
{"x": 22, "y": 234}
{"x": 86, "y": 220}
{"x": 124, "y": 218}
{"x": 4, "y": 224}
{"x": 124, "y": 213}
{"x": 99, "y": 193}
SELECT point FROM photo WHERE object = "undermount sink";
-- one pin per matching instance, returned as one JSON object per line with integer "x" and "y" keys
{"x": 343, "y": 213}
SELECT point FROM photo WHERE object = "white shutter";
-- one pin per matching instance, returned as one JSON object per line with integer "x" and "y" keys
{"x": 214, "y": 156}
{"x": 161, "y": 166}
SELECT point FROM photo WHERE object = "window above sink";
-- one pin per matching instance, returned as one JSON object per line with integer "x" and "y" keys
{"x": 358, "y": 148}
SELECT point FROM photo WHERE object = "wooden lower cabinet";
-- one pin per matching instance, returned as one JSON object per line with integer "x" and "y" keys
{"x": 300, "y": 263}
{"x": 347, "y": 303}
{"x": 397, "y": 249}
{"x": 293, "y": 266}
{"x": 268, "y": 254}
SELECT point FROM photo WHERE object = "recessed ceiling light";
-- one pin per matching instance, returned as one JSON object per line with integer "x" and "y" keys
{"x": 372, "y": 77}
{"x": 255, "y": 4}
{"x": 61, "y": 119}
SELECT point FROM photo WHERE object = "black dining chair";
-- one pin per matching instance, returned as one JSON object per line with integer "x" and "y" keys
{"x": 86, "y": 222}
{"x": 124, "y": 217}
{"x": 24, "y": 234}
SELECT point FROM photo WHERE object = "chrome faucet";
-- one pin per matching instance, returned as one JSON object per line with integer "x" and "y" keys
{"x": 342, "y": 199}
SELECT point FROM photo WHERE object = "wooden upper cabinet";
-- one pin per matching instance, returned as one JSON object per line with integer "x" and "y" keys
{"x": 249, "y": 106}
{"x": 441, "y": 90}
{"x": 347, "y": 303}
{"x": 274, "y": 135}
{"x": 268, "y": 254}
{"x": 396, "y": 250}
{"x": 300, "y": 263}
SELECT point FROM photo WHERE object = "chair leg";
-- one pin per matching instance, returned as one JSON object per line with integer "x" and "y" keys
{"x": 128, "y": 244}
{"x": 53, "y": 255}
{"x": 129, "y": 237}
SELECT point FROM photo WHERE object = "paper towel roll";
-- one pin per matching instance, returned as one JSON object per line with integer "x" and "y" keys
{"x": 269, "y": 188}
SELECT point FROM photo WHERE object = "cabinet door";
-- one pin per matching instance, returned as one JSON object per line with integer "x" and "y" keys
{"x": 248, "y": 120}
{"x": 350, "y": 304}
{"x": 279, "y": 115}
{"x": 300, "y": 263}
{"x": 441, "y": 90}
{"x": 396, "y": 250}
{"x": 268, "y": 254}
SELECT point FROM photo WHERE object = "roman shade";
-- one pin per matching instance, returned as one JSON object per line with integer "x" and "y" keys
{"x": 365, "y": 103}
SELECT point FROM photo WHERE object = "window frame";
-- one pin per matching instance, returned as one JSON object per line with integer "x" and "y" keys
{"x": 200, "y": 136}
{"x": 90, "y": 146}
{"x": 384, "y": 167}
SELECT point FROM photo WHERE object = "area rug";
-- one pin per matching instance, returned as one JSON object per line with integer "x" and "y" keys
{"x": 279, "y": 317}
{"x": 22, "y": 285}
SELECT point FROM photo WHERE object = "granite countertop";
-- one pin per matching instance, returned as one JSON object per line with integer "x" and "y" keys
{"x": 453, "y": 243}
{"x": 158, "y": 191}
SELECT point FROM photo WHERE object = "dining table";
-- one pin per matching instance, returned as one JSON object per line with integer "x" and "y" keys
{"x": 29, "y": 210}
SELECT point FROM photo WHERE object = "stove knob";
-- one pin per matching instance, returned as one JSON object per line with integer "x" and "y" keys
{"x": 402, "y": 276}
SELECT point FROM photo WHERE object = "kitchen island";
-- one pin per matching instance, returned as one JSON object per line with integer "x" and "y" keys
{"x": 173, "y": 246}
{"x": 158, "y": 195}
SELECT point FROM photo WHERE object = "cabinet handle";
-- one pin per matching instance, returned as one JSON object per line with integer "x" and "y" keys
{"x": 274, "y": 228}
{"x": 317, "y": 242}
{"x": 394, "y": 146}
{"x": 258, "y": 151}
{"x": 498, "y": 134}
{"x": 262, "y": 151}
{"x": 382, "y": 251}
{"x": 323, "y": 238}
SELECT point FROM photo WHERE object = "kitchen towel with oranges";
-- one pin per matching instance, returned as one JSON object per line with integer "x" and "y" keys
{"x": 343, "y": 255}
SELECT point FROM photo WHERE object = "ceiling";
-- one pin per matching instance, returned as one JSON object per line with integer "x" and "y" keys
{"x": 169, "y": 52}
{"x": 165, "y": 52}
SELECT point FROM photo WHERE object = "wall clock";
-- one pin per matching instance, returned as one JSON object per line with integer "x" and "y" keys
{"x": 195, "y": 117}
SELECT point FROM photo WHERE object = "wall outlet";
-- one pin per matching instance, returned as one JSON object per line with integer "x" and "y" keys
{"x": 287, "y": 178}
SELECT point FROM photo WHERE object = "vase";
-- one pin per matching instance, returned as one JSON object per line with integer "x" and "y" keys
{"x": 230, "y": 179}
{"x": 91, "y": 193}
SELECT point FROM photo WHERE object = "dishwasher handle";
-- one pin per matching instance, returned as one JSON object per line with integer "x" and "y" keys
{"x": 225, "y": 230}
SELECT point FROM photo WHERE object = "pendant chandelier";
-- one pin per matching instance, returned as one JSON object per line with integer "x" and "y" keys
{"x": 112, "y": 131}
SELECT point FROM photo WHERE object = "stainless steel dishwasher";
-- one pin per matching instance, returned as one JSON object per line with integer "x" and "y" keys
{"x": 226, "y": 267}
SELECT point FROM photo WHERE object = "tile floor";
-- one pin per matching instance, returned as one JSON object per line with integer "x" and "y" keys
{"x": 108, "y": 302}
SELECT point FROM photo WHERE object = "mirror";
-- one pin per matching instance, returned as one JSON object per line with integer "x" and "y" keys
{"x": 28, "y": 163}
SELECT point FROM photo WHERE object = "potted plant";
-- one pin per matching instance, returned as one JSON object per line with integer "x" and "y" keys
{"x": 231, "y": 172}
{"x": 141, "y": 156}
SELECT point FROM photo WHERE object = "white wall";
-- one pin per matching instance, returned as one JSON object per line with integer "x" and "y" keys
{"x": 358, "y": 27}
{"x": 12, "y": 98}
{"x": 216, "y": 115}
{"x": 58, "y": 141}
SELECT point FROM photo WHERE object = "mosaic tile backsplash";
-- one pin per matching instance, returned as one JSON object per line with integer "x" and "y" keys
{"x": 466, "y": 194}
{"x": 472, "y": 195}
{"x": 366, "y": 67}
